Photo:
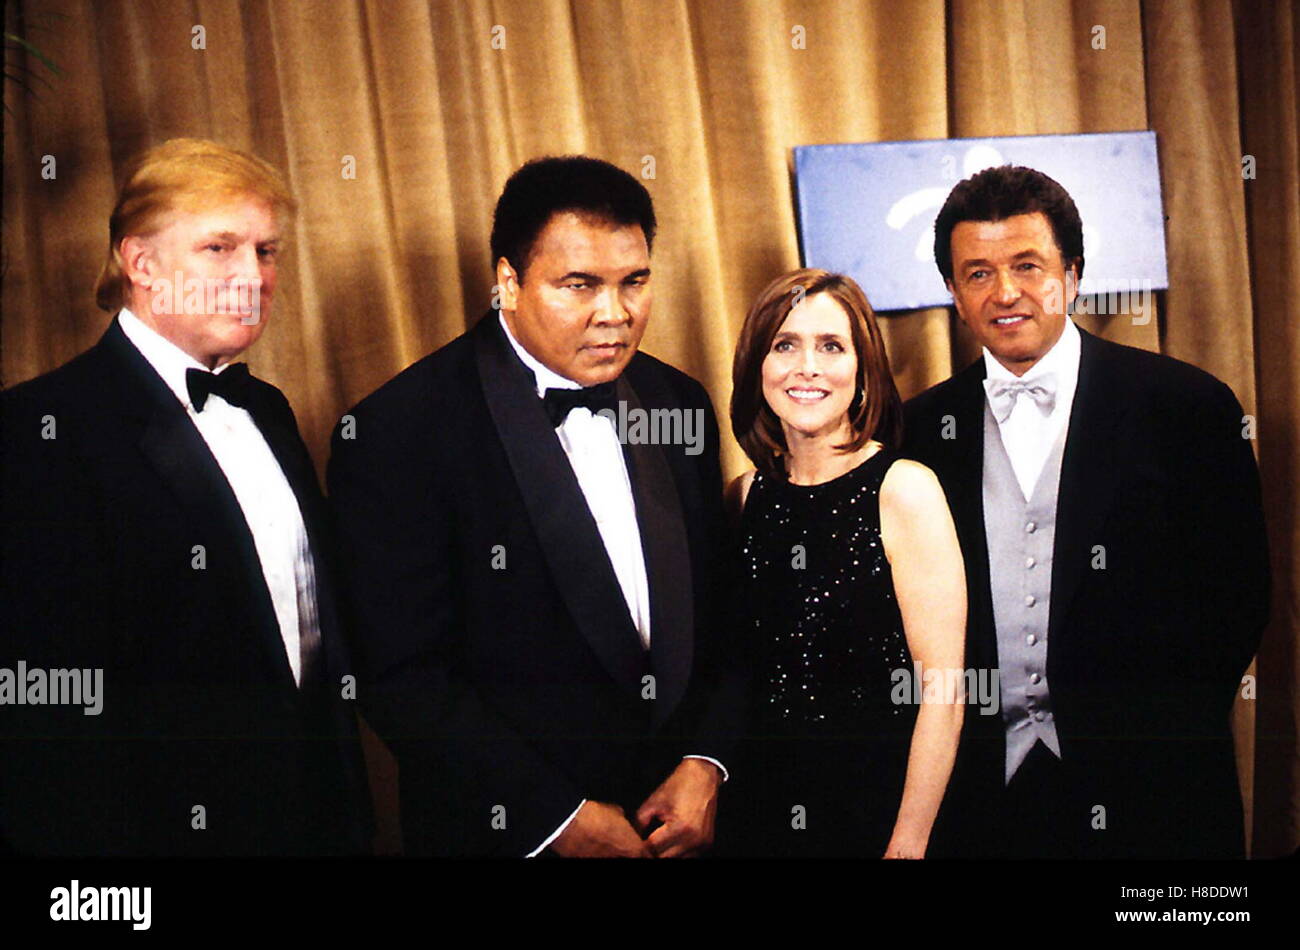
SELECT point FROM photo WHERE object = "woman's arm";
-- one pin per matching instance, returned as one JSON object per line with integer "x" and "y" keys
{"x": 930, "y": 584}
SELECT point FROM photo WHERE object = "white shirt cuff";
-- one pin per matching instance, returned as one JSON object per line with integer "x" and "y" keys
{"x": 558, "y": 831}
{"x": 721, "y": 768}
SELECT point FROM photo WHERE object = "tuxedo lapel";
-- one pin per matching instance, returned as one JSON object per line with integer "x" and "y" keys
{"x": 565, "y": 528}
{"x": 282, "y": 436}
{"x": 964, "y": 486}
{"x": 283, "y": 439}
{"x": 668, "y": 566}
{"x": 179, "y": 455}
{"x": 284, "y": 442}
{"x": 1089, "y": 469}
{"x": 968, "y": 444}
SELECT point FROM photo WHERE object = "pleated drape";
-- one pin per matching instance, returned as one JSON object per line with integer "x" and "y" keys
{"x": 398, "y": 121}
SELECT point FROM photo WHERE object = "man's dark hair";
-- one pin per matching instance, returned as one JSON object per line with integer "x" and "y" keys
{"x": 547, "y": 186}
{"x": 1004, "y": 191}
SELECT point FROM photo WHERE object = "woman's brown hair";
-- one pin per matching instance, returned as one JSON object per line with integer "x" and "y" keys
{"x": 876, "y": 411}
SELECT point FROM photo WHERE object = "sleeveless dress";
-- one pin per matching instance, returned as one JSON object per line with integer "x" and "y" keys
{"x": 825, "y": 757}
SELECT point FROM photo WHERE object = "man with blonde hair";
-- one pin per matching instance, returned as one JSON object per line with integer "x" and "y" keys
{"x": 165, "y": 549}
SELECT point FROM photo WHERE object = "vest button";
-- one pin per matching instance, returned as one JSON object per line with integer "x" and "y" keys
{"x": 1034, "y": 677}
{"x": 1030, "y": 562}
{"x": 1029, "y": 600}
{"x": 1031, "y": 528}
{"x": 1031, "y": 639}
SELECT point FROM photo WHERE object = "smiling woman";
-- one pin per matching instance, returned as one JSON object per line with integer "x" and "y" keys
{"x": 787, "y": 310}
{"x": 810, "y": 373}
{"x": 852, "y": 572}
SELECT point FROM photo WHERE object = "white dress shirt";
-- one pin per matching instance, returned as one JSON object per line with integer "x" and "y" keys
{"x": 269, "y": 505}
{"x": 596, "y": 455}
{"x": 1028, "y": 434}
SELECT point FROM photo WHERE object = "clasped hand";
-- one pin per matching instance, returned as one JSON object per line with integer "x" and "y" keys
{"x": 680, "y": 811}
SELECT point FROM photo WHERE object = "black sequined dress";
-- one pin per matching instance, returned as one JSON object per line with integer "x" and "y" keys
{"x": 821, "y": 774}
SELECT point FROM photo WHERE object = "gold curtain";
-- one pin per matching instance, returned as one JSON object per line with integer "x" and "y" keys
{"x": 434, "y": 104}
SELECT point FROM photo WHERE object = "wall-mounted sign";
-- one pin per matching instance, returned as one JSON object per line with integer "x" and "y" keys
{"x": 868, "y": 210}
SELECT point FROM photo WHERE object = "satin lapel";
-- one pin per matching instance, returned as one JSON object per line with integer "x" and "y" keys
{"x": 285, "y": 444}
{"x": 965, "y": 488}
{"x": 558, "y": 510}
{"x": 668, "y": 566}
{"x": 185, "y": 464}
{"x": 283, "y": 439}
{"x": 1089, "y": 471}
{"x": 319, "y": 687}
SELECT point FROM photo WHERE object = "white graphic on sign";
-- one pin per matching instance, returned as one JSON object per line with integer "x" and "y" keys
{"x": 924, "y": 203}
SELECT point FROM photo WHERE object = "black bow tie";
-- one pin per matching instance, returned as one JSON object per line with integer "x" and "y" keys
{"x": 233, "y": 384}
{"x": 558, "y": 402}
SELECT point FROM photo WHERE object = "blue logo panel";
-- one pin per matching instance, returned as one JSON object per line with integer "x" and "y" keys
{"x": 868, "y": 210}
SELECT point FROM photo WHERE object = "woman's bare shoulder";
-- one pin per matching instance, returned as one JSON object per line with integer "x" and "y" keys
{"x": 909, "y": 486}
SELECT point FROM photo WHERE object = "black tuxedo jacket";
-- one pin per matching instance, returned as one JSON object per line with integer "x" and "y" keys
{"x": 1160, "y": 591}
{"x": 101, "y": 525}
{"x": 499, "y": 659}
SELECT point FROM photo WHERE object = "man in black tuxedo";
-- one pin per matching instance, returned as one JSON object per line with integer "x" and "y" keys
{"x": 165, "y": 535}
{"x": 533, "y": 583}
{"x": 1108, "y": 506}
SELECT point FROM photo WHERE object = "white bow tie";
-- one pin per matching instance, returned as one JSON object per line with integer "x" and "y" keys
{"x": 1003, "y": 394}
